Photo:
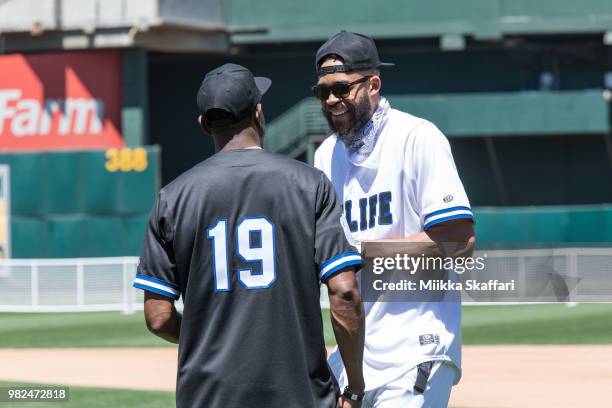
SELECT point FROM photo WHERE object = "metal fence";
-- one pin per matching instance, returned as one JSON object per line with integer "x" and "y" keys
{"x": 548, "y": 275}
{"x": 69, "y": 285}
{"x": 105, "y": 284}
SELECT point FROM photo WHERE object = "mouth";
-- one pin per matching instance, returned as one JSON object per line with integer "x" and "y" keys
{"x": 339, "y": 113}
{"x": 337, "y": 110}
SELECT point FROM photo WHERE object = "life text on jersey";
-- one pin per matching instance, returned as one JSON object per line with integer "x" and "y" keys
{"x": 368, "y": 212}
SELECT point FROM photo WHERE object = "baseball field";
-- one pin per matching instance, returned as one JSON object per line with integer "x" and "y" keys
{"x": 514, "y": 356}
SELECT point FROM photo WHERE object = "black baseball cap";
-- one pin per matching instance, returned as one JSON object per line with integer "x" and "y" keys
{"x": 358, "y": 51}
{"x": 233, "y": 89}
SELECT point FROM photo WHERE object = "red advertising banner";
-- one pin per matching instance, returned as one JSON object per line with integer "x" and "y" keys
{"x": 68, "y": 100}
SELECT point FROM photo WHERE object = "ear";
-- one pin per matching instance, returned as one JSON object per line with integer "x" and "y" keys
{"x": 375, "y": 84}
{"x": 203, "y": 124}
{"x": 258, "y": 112}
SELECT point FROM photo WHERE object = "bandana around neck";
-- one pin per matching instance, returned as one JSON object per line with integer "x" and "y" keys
{"x": 363, "y": 141}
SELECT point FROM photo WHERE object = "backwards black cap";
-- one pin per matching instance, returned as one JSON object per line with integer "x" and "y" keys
{"x": 233, "y": 89}
{"x": 357, "y": 51}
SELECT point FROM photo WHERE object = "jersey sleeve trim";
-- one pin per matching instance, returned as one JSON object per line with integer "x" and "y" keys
{"x": 439, "y": 213}
{"x": 448, "y": 214}
{"x": 338, "y": 262}
{"x": 155, "y": 285}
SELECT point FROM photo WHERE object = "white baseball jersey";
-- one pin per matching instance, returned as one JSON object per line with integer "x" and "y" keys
{"x": 407, "y": 184}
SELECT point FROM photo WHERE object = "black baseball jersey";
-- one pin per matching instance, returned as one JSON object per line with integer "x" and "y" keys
{"x": 246, "y": 237}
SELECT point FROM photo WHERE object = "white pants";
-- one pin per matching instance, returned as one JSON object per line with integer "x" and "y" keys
{"x": 401, "y": 394}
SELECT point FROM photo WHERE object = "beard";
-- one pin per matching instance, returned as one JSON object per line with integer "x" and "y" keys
{"x": 356, "y": 116}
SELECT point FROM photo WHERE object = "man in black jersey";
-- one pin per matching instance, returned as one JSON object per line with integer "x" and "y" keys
{"x": 246, "y": 237}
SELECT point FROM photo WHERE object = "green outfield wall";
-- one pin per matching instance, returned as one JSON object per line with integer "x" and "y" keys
{"x": 555, "y": 224}
{"x": 81, "y": 203}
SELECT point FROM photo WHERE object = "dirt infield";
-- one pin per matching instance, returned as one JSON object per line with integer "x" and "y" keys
{"x": 534, "y": 376}
{"x": 130, "y": 368}
{"x": 493, "y": 376}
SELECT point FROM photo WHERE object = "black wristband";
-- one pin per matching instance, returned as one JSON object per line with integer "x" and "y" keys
{"x": 348, "y": 394}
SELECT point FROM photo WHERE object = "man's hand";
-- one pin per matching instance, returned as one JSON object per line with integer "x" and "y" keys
{"x": 347, "y": 403}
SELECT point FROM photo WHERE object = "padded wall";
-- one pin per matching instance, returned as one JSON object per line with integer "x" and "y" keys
{"x": 68, "y": 204}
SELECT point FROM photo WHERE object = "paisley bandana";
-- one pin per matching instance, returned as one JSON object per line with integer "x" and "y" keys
{"x": 363, "y": 141}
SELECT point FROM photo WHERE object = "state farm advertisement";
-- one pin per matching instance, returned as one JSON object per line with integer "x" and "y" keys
{"x": 60, "y": 101}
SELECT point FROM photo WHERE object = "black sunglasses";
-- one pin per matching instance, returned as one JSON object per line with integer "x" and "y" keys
{"x": 340, "y": 89}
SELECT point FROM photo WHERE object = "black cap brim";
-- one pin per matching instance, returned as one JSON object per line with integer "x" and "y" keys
{"x": 386, "y": 64}
{"x": 263, "y": 84}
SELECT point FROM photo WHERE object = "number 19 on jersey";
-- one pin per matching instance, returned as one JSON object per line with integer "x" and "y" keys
{"x": 254, "y": 244}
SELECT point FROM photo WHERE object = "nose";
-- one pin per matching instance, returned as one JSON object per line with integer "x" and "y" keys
{"x": 332, "y": 99}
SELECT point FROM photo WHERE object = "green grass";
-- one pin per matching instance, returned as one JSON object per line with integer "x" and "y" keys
{"x": 328, "y": 332}
{"x": 109, "y": 329}
{"x": 524, "y": 324}
{"x": 538, "y": 324}
{"x": 80, "y": 397}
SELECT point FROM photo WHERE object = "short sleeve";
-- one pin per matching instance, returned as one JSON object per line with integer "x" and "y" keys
{"x": 439, "y": 193}
{"x": 157, "y": 268}
{"x": 318, "y": 162}
{"x": 333, "y": 250}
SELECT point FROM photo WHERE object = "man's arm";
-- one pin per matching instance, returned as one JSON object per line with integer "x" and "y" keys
{"x": 453, "y": 238}
{"x": 348, "y": 322}
{"x": 161, "y": 316}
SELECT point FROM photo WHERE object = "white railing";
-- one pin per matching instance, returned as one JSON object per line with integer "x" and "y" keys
{"x": 69, "y": 285}
{"x": 105, "y": 284}
{"x": 585, "y": 273}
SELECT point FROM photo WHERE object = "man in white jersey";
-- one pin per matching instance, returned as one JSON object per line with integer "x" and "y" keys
{"x": 397, "y": 180}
